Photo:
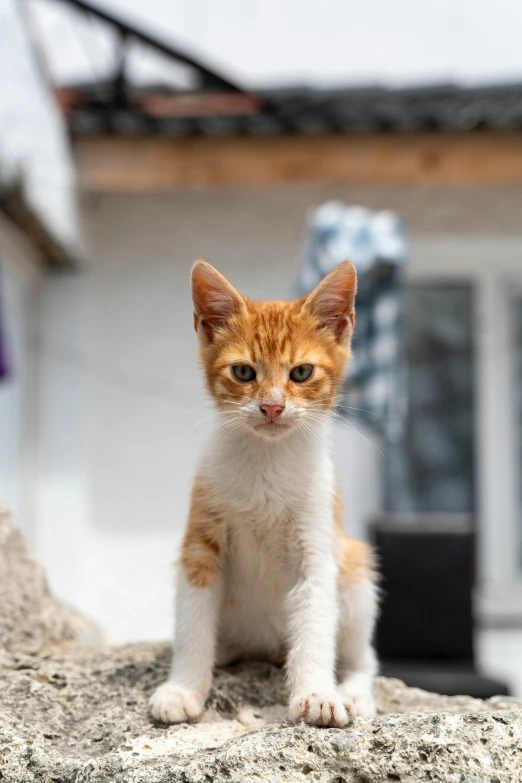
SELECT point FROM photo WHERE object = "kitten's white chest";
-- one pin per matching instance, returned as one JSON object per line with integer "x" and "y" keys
{"x": 260, "y": 569}
{"x": 266, "y": 479}
{"x": 261, "y": 490}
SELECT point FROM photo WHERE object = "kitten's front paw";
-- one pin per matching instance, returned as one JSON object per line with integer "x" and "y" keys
{"x": 171, "y": 703}
{"x": 320, "y": 709}
{"x": 359, "y": 699}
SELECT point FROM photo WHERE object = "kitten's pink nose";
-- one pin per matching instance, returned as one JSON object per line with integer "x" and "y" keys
{"x": 272, "y": 411}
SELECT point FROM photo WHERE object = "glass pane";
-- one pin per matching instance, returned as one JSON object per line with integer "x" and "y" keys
{"x": 430, "y": 469}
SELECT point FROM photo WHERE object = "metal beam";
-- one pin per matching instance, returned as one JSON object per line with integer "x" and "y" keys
{"x": 210, "y": 76}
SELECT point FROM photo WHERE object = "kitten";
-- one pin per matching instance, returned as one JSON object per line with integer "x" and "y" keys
{"x": 266, "y": 570}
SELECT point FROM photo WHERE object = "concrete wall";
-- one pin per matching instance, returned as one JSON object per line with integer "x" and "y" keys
{"x": 123, "y": 413}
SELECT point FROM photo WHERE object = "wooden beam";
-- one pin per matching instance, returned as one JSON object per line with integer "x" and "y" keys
{"x": 15, "y": 205}
{"x": 121, "y": 163}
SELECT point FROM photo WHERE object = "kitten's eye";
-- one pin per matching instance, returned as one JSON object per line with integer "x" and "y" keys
{"x": 244, "y": 372}
{"x": 301, "y": 373}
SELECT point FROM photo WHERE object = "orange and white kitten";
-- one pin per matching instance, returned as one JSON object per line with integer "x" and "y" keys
{"x": 266, "y": 570}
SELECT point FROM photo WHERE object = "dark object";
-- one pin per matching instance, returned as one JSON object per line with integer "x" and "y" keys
{"x": 425, "y": 632}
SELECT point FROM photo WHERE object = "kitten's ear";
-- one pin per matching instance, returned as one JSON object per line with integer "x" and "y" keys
{"x": 215, "y": 299}
{"x": 333, "y": 300}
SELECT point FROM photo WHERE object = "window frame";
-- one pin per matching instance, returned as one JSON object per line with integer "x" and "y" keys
{"x": 493, "y": 267}
{"x": 500, "y": 599}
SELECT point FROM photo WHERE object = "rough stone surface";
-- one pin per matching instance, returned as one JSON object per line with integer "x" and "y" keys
{"x": 73, "y": 713}
{"x": 29, "y": 616}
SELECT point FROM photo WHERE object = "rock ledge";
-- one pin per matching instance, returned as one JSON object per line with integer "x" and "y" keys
{"x": 70, "y": 713}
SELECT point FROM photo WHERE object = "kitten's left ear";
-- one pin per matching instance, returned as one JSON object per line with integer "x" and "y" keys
{"x": 215, "y": 299}
{"x": 333, "y": 300}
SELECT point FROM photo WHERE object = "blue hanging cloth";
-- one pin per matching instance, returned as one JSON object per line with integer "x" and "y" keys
{"x": 376, "y": 243}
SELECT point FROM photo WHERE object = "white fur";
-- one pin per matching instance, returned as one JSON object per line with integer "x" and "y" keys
{"x": 277, "y": 589}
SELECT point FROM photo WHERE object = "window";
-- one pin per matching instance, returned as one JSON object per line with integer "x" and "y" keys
{"x": 431, "y": 468}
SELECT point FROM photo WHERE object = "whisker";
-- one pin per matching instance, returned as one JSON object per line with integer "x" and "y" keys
{"x": 201, "y": 404}
{"x": 308, "y": 424}
{"x": 348, "y": 407}
{"x": 207, "y": 418}
{"x": 370, "y": 443}
{"x": 363, "y": 410}
{"x": 307, "y": 428}
{"x": 232, "y": 418}
{"x": 351, "y": 427}
{"x": 228, "y": 426}
{"x": 222, "y": 425}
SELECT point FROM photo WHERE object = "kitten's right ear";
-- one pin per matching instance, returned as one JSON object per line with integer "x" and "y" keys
{"x": 333, "y": 300}
{"x": 215, "y": 299}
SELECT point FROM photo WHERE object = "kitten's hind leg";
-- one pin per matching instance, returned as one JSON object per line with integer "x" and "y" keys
{"x": 228, "y": 654}
{"x": 357, "y": 662}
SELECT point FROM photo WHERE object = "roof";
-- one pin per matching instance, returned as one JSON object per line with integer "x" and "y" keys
{"x": 299, "y": 111}
{"x": 267, "y": 44}
{"x": 188, "y": 97}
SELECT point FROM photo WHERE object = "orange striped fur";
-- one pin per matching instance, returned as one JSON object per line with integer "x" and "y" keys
{"x": 355, "y": 559}
{"x": 203, "y": 538}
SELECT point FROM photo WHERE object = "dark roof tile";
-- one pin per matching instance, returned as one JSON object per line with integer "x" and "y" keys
{"x": 307, "y": 111}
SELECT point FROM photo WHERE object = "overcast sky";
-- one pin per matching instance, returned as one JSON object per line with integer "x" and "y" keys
{"x": 331, "y": 41}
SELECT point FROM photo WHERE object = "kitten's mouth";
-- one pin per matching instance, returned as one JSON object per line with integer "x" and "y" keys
{"x": 272, "y": 426}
